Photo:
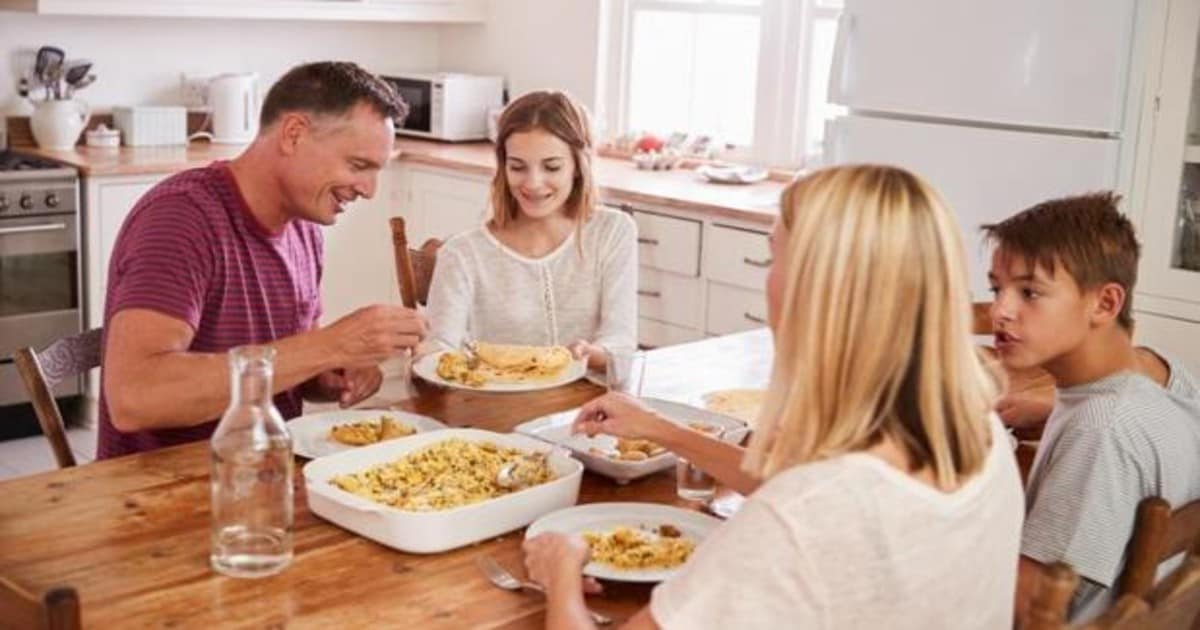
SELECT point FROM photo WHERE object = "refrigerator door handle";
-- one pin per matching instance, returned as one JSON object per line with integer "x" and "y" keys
{"x": 837, "y": 69}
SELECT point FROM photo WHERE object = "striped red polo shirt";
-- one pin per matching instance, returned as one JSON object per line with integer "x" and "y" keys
{"x": 191, "y": 249}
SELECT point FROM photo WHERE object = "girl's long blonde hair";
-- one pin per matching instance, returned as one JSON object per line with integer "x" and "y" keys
{"x": 873, "y": 336}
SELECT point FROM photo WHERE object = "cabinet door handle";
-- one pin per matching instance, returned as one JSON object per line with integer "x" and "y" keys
{"x": 752, "y": 318}
{"x": 647, "y": 241}
{"x": 653, "y": 294}
{"x": 757, "y": 263}
{"x": 27, "y": 229}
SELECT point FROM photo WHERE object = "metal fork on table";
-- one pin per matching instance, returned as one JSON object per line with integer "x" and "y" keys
{"x": 499, "y": 576}
{"x": 466, "y": 347}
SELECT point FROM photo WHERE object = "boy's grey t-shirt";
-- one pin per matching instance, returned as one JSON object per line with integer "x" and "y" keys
{"x": 1108, "y": 445}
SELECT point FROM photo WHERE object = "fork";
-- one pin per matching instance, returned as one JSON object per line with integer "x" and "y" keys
{"x": 499, "y": 576}
{"x": 466, "y": 347}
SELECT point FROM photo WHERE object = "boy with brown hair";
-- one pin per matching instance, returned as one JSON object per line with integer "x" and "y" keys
{"x": 1123, "y": 427}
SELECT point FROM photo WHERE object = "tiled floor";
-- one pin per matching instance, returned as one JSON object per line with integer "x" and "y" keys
{"x": 27, "y": 456}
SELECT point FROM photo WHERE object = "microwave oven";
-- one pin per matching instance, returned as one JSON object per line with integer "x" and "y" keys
{"x": 447, "y": 106}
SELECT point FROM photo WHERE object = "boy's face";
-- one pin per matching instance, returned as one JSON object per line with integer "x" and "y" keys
{"x": 1036, "y": 316}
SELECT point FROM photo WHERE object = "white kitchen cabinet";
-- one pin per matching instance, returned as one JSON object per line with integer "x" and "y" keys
{"x": 1165, "y": 196}
{"x": 736, "y": 256}
{"x": 360, "y": 267}
{"x": 107, "y": 201}
{"x": 655, "y": 334}
{"x": 439, "y": 11}
{"x": 438, "y": 203}
{"x": 734, "y": 309}
{"x": 667, "y": 243}
{"x": 671, "y": 298}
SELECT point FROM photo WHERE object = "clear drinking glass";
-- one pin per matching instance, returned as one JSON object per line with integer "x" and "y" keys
{"x": 691, "y": 483}
{"x": 625, "y": 370}
{"x": 251, "y": 473}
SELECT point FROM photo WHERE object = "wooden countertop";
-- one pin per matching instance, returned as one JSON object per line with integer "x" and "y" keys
{"x": 131, "y": 534}
{"x": 619, "y": 180}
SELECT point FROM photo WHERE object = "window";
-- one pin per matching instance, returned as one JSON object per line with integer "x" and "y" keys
{"x": 748, "y": 73}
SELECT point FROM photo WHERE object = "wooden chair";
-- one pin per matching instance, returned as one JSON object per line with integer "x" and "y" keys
{"x": 1048, "y": 611}
{"x": 41, "y": 371}
{"x": 1158, "y": 534}
{"x": 981, "y": 322}
{"x": 414, "y": 267}
{"x": 57, "y": 609}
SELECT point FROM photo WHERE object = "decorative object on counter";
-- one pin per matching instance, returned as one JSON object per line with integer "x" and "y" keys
{"x": 656, "y": 160}
{"x": 152, "y": 126}
{"x": 103, "y": 136}
{"x": 234, "y": 103}
{"x": 56, "y": 124}
{"x": 731, "y": 173}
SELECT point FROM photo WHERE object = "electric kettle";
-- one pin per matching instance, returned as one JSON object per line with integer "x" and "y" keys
{"x": 233, "y": 99}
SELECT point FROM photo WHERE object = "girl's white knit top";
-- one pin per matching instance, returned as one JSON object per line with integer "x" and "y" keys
{"x": 484, "y": 290}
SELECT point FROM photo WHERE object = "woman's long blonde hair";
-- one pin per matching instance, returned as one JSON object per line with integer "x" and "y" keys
{"x": 873, "y": 336}
{"x": 556, "y": 113}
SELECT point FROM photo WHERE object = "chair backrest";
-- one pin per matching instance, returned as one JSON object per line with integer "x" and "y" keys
{"x": 57, "y": 609}
{"x": 1048, "y": 611}
{"x": 1158, "y": 534}
{"x": 414, "y": 267}
{"x": 981, "y": 318}
{"x": 1174, "y": 604}
{"x": 41, "y": 371}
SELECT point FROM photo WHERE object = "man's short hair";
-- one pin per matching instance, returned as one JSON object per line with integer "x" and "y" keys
{"x": 330, "y": 88}
{"x": 1092, "y": 240}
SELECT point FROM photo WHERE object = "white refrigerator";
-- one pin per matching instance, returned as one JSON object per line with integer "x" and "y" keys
{"x": 999, "y": 104}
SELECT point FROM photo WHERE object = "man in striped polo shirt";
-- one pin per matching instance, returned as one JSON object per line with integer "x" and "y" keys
{"x": 231, "y": 254}
{"x": 1125, "y": 425}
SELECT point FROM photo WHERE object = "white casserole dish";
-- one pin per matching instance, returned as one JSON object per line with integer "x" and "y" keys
{"x": 556, "y": 429}
{"x": 431, "y": 532}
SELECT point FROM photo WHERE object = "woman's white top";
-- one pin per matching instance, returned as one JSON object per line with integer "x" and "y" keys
{"x": 851, "y": 542}
{"x": 485, "y": 290}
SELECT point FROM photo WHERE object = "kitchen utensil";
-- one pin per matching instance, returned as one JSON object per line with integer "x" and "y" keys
{"x": 500, "y": 576}
{"x": 47, "y": 57}
{"x": 84, "y": 82}
{"x": 513, "y": 475}
{"x": 76, "y": 70}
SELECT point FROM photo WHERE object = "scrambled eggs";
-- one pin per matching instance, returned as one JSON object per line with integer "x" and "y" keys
{"x": 629, "y": 548}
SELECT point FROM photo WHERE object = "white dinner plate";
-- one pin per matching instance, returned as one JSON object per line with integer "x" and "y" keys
{"x": 310, "y": 433}
{"x": 603, "y": 517}
{"x": 731, "y": 174}
{"x": 426, "y": 368}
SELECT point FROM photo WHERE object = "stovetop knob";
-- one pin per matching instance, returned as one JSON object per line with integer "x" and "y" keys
{"x": 51, "y": 200}
{"x": 26, "y": 202}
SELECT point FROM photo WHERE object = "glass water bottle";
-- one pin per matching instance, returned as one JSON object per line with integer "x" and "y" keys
{"x": 251, "y": 473}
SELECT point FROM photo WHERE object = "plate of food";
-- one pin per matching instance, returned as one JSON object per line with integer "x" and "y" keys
{"x": 440, "y": 490}
{"x": 501, "y": 368}
{"x": 320, "y": 434}
{"x": 631, "y": 542}
{"x": 743, "y": 404}
{"x": 622, "y": 459}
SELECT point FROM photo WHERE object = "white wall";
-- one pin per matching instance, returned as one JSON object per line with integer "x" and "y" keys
{"x": 535, "y": 43}
{"x": 138, "y": 60}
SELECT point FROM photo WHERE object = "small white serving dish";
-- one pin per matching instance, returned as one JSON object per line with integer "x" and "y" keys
{"x": 432, "y": 532}
{"x": 556, "y": 429}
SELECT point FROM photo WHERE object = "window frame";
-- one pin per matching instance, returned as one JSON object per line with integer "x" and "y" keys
{"x": 781, "y": 103}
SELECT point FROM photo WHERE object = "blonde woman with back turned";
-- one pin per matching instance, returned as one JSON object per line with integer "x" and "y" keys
{"x": 884, "y": 493}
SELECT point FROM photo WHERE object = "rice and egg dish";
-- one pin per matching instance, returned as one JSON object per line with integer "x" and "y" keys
{"x": 444, "y": 475}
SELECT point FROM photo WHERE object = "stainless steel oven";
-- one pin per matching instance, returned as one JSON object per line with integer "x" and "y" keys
{"x": 40, "y": 263}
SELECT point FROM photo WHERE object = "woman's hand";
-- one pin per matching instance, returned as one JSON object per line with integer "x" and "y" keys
{"x": 556, "y": 561}
{"x": 590, "y": 352}
{"x": 621, "y": 415}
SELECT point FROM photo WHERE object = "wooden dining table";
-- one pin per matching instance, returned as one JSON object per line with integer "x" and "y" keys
{"x": 131, "y": 534}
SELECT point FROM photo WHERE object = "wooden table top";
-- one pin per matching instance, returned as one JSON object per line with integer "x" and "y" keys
{"x": 132, "y": 534}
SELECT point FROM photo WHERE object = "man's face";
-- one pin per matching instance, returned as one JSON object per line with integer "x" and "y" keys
{"x": 336, "y": 160}
{"x": 1036, "y": 316}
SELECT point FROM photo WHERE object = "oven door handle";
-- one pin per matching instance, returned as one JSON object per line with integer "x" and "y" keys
{"x": 26, "y": 229}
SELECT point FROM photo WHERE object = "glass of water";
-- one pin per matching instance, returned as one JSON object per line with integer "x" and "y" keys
{"x": 625, "y": 370}
{"x": 692, "y": 483}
